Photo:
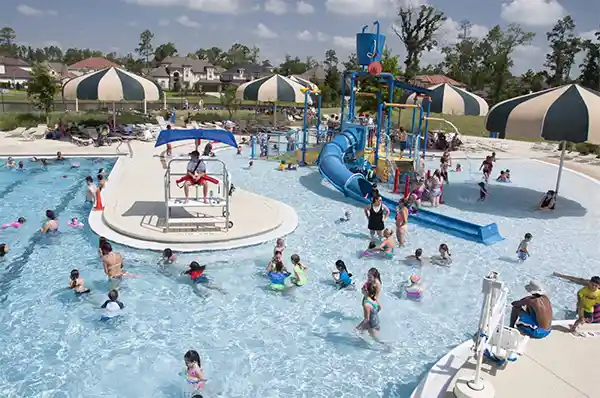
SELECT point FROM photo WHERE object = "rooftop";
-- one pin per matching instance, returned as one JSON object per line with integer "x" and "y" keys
{"x": 94, "y": 63}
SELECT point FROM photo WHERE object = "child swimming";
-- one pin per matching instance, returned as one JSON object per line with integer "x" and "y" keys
{"x": 168, "y": 257}
{"x": 194, "y": 374}
{"x": 346, "y": 218}
{"x": 299, "y": 276}
{"x": 444, "y": 258}
{"x": 502, "y": 176}
{"x": 413, "y": 288}
{"x": 458, "y": 168}
{"x": 418, "y": 256}
{"x": 483, "y": 192}
{"x": 523, "y": 249}
{"x": 341, "y": 276}
{"x": 77, "y": 284}
{"x": 15, "y": 224}
{"x": 112, "y": 306}
{"x": 282, "y": 165}
{"x": 196, "y": 274}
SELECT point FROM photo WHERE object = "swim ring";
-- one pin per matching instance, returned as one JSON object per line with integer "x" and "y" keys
{"x": 413, "y": 289}
{"x": 76, "y": 224}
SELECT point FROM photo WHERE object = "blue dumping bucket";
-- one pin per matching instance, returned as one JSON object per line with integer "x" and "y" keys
{"x": 369, "y": 47}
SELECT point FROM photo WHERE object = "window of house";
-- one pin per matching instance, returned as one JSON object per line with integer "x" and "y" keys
{"x": 2, "y": 70}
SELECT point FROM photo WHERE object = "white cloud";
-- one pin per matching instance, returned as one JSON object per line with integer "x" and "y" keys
{"x": 346, "y": 43}
{"x": 321, "y": 36}
{"x": 527, "y": 57}
{"x": 132, "y": 24}
{"x": 304, "y": 35}
{"x": 533, "y": 12}
{"x": 187, "y": 22}
{"x": 207, "y": 6}
{"x": 591, "y": 35}
{"x": 163, "y": 22}
{"x": 450, "y": 30}
{"x": 368, "y": 7}
{"x": 277, "y": 7}
{"x": 33, "y": 12}
{"x": 302, "y": 7}
{"x": 264, "y": 32}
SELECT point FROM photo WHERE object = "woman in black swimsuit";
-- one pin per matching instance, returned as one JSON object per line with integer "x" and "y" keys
{"x": 376, "y": 213}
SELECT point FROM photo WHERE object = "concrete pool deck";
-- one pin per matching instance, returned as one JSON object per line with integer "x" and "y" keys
{"x": 560, "y": 365}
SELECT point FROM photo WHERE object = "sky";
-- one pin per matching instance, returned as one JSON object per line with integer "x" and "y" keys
{"x": 278, "y": 27}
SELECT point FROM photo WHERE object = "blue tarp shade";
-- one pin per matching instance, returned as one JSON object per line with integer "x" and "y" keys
{"x": 218, "y": 135}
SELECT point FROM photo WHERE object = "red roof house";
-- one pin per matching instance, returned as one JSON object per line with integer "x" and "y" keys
{"x": 92, "y": 64}
{"x": 432, "y": 80}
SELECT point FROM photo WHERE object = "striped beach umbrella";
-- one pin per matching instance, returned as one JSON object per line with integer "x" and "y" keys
{"x": 274, "y": 88}
{"x": 111, "y": 85}
{"x": 566, "y": 113}
{"x": 304, "y": 82}
{"x": 451, "y": 100}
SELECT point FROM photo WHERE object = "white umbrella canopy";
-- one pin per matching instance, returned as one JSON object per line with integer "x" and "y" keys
{"x": 112, "y": 85}
{"x": 451, "y": 100}
{"x": 567, "y": 113}
{"x": 274, "y": 88}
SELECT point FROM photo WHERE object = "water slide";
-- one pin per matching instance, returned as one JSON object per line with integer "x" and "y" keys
{"x": 355, "y": 186}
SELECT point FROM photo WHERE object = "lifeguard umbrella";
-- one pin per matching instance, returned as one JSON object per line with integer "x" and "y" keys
{"x": 112, "y": 85}
{"x": 304, "y": 82}
{"x": 567, "y": 113}
{"x": 214, "y": 134}
{"x": 274, "y": 88}
{"x": 451, "y": 100}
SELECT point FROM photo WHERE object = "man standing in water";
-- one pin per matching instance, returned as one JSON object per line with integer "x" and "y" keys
{"x": 532, "y": 315}
{"x": 113, "y": 265}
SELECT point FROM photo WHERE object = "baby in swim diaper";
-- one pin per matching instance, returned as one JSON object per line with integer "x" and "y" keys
{"x": 15, "y": 224}
{"x": 279, "y": 246}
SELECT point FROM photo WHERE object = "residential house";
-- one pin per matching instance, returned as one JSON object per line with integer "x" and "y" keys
{"x": 187, "y": 73}
{"x": 60, "y": 71}
{"x": 316, "y": 74}
{"x": 13, "y": 72}
{"x": 91, "y": 65}
{"x": 243, "y": 73}
{"x": 432, "y": 80}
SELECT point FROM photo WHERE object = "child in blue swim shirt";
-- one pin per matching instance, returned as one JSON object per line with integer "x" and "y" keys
{"x": 341, "y": 276}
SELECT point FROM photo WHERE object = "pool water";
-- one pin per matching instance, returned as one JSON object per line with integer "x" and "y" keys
{"x": 254, "y": 342}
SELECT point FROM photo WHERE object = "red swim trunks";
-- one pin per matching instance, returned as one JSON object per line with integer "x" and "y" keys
{"x": 196, "y": 182}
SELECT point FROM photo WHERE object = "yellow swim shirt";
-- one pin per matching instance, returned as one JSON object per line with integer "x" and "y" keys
{"x": 588, "y": 298}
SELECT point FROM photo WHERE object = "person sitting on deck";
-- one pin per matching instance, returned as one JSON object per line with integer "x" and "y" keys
{"x": 196, "y": 175}
{"x": 588, "y": 299}
{"x": 532, "y": 315}
{"x": 548, "y": 201}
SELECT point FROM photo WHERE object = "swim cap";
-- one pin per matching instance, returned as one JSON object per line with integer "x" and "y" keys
{"x": 415, "y": 278}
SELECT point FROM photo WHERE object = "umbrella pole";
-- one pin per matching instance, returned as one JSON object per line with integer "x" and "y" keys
{"x": 114, "y": 118}
{"x": 560, "y": 166}
{"x": 274, "y": 115}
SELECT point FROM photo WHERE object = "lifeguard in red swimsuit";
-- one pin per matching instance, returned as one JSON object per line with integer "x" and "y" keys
{"x": 196, "y": 175}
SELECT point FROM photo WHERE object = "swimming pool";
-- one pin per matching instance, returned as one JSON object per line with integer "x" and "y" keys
{"x": 255, "y": 343}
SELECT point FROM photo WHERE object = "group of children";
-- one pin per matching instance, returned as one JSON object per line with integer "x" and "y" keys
{"x": 278, "y": 273}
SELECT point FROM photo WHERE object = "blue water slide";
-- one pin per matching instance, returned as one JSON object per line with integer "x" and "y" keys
{"x": 355, "y": 186}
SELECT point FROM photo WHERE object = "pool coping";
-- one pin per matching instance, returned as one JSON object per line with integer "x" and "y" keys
{"x": 440, "y": 375}
{"x": 98, "y": 223}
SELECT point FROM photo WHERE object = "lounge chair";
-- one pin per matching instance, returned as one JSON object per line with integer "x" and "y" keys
{"x": 16, "y": 132}
{"x": 40, "y": 132}
{"x": 81, "y": 141}
{"x": 538, "y": 146}
{"x": 28, "y": 134}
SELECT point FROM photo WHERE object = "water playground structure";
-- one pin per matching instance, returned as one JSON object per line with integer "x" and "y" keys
{"x": 354, "y": 137}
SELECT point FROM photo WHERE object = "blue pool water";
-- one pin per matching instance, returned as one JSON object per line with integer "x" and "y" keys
{"x": 255, "y": 343}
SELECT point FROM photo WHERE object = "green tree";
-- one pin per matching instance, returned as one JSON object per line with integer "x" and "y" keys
{"x": 41, "y": 89}
{"x": 532, "y": 81}
{"x": 389, "y": 64}
{"x": 132, "y": 63}
{"x": 416, "y": 27}
{"x": 164, "y": 50}
{"x": 214, "y": 55}
{"x": 145, "y": 48}
{"x": 7, "y": 41}
{"x": 292, "y": 66}
{"x": 254, "y": 55}
{"x": 496, "y": 54}
{"x": 351, "y": 64}
{"x": 237, "y": 54}
{"x": 53, "y": 54}
{"x": 462, "y": 60}
{"x": 229, "y": 100}
{"x": 590, "y": 68}
{"x": 331, "y": 86}
{"x": 564, "y": 45}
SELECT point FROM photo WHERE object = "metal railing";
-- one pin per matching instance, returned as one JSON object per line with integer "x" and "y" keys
{"x": 225, "y": 185}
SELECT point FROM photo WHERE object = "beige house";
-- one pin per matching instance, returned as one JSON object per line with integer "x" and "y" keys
{"x": 185, "y": 73}
{"x": 13, "y": 72}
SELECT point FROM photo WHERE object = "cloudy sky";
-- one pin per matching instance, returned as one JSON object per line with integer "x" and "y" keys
{"x": 298, "y": 27}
